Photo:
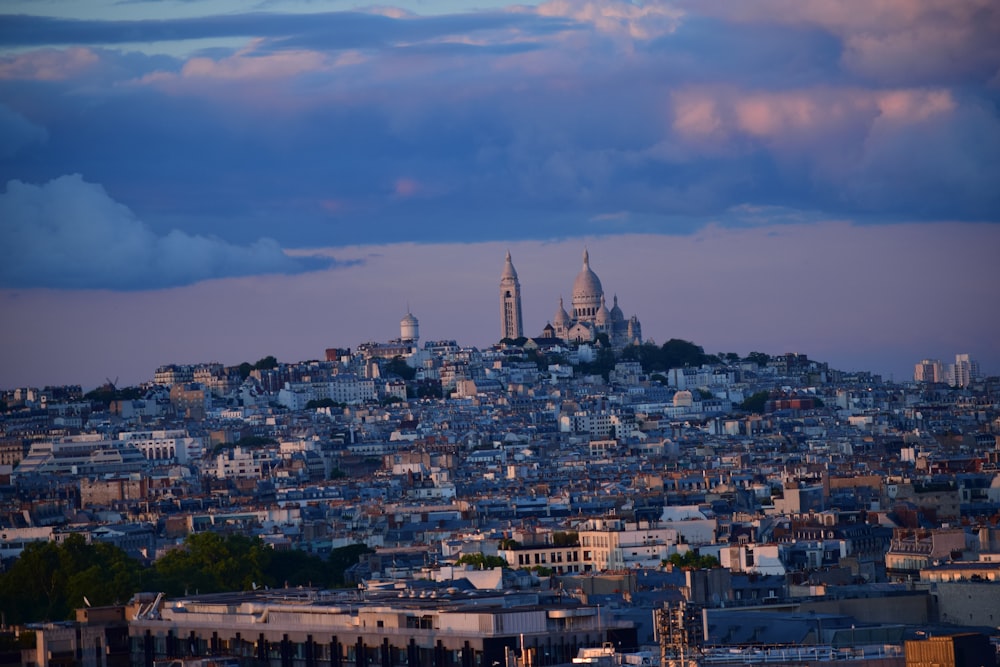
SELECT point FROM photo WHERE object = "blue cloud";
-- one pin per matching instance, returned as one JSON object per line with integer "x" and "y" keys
{"x": 322, "y": 30}
{"x": 68, "y": 233}
{"x": 17, "y": 132}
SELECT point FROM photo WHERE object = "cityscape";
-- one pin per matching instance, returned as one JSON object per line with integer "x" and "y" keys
{"x": 548, "y": 333}
{"x": 582, "y": 496}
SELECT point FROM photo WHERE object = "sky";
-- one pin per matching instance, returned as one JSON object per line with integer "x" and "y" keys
{"x": 213, "y": 180}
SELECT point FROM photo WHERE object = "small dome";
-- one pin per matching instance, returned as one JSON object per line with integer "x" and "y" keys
{"x": 616, "y": 313}
{"x": 603, "y": 314}
{"x": 587, "y": 284}
{"x": 409, "y": 319}
{"x": 562, "y": 317}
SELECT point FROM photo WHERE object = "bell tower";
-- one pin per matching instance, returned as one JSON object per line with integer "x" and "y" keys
{"x": 510, "y": 302}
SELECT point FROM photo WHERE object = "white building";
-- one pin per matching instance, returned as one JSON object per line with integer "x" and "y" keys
{"x": 173, "y": 445}
{"x": 243, "y": 463}
{"x": 615, "y": 544}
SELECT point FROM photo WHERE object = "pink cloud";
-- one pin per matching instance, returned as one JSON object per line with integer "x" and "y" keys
{"x": 696, "y": 114}
{"x": 893, "y": 40}
{"x": 618, "y": 18}
{"x": 48, "y": 64}
{"x": 253, "y": 75}
{"x": 406, "y": 187}
{"x": 914, "y": 105}
{"x": 797, "y": 115}
{"x": 333, "y": 206}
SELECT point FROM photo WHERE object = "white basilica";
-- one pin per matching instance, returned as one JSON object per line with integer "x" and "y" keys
{"x": 591, "y": 315}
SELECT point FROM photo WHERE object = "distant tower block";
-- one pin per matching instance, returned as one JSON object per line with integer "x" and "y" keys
{"x": 409, "y": 329}
{"x": 510, "y": 302}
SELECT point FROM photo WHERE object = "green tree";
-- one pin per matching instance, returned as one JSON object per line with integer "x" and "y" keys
{"x": 602, "y": 364}
{"x": 267, "y": 363}
{"x": 692, "y": 559}
{"x": 107, "y": 393}
{"x": 648, "y": 355}
{"x": 244, "y": 370}
{"x": 480, "y": 561}
{"x": 48, "y": 581}
{"x": 759, "y": 358}
{"x": 562, "y": 538}
{"x": 398, "y": 366}
{"x": 680, "y": 353}
{"x": 755, "y": 403}
{"x": 297, "y": 568}
{"x": 343, "y": 558}
{"x": 212, "y": 563}
{"x": 322, "y": 403}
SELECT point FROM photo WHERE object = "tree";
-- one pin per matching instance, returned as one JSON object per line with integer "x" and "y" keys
{"x": 48, "y": 581}
{"x": 755, "y": 403}
{"x": 480, "y": 561}
{"x": 602, "y": 365}
{"x": 212, "y": 563}
{"x": 565, "y": 538}
{"x": 759, "y": 358}
{"x": 297, "y": 568}
{"x": 343, "y": 558}
{"x": 647, "y": 354}
{"x": 322, "y": 403}
{"x": 267, "y": 363}
{"x": 692, "y": 559}
{"x": 678, "y": 353}
{"x": 398, "y": 366}
{"x": 107, "y": 393}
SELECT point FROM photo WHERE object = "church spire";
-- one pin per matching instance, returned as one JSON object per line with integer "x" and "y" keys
{"x": 510, "y": 302}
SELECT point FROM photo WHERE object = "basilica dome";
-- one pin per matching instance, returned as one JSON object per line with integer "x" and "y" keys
{"x": 587, "y": 285}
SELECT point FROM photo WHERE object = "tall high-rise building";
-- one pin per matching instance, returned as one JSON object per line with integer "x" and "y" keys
{"x": 929, "y": 370}
{"x": 963, "y": 371}
{"x": 511, "y": 325}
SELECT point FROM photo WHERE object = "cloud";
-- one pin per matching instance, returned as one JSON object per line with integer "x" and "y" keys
{"x": 895, "y": 41}
{"x": 616, "y": 17}
{"x": 48, "y": 64}
{"x": 531, "y": 120}
{"x": 16, "y": 132}
{"x": 406, "y": 187}
{"x": 68, "y": 233}
{"x": 318, "y": 30}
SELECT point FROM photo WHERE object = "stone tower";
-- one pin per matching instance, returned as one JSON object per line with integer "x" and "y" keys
{"x": 510, "y": 302}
